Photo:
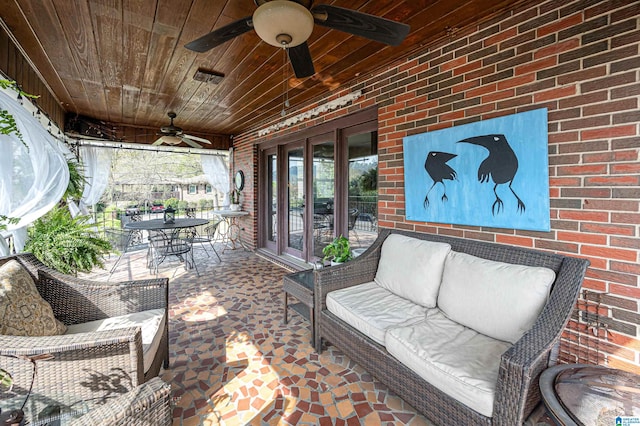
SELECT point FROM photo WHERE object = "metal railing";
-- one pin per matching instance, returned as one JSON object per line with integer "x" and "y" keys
{"x": 368, "y": 212}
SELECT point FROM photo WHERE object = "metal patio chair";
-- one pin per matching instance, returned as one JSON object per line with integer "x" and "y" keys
{"x": 178, "y": 244}
{"x": 208, "y": 236}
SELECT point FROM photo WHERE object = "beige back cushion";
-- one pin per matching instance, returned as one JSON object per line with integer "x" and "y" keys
{"x": 412, "y": 268}
{"x": 499, "y": 300}
{"x": 23, "y": 312}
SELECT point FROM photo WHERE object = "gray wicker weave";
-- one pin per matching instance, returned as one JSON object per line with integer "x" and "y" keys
{"x": 517, "y": 391}
{"x": 147, "y": 405}
{"x": 93, "y": 365}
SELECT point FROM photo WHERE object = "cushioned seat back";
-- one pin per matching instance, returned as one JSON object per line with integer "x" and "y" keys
{"x": 499, "y": 300}
{"x": 412, "y": 268}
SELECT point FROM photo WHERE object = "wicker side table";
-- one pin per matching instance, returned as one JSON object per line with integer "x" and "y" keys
{"x": 300, "y": 286}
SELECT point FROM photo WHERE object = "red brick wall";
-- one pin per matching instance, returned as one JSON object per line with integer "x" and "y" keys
{"x": 580, "y": 60}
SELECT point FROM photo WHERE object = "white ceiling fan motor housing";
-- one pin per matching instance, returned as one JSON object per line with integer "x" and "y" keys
{"x": 276, "y": 19}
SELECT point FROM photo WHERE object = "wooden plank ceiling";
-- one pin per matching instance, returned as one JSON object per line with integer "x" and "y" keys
{"x": 124, "y": 61}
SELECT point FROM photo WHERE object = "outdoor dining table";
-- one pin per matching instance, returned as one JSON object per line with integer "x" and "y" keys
{"x": 158, "y": 225}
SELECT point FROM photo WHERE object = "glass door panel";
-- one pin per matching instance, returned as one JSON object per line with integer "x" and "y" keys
{"x": 362, "y": 202}
{"x": 295, "y": 201}
{"x": 272, "y": 198}
{"x": 323, "y": 187}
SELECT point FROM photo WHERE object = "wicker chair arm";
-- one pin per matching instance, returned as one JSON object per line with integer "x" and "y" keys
{"x": 521, "y": 365}
{"x": 80, "y": 364}
{"x": 76, "y": 301}
{"x": 148, "y": 404}
{"x": 26, "y": 345}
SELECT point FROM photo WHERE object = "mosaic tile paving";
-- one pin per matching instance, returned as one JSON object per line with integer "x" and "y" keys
{"x": 234, "y": 362}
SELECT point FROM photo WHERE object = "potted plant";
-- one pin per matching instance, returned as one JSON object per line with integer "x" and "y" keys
{"x": 338, "y": 251}
{"x": 234, "y": 196}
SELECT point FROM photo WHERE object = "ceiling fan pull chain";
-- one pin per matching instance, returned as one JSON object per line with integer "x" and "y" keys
{"x": 286, "y": 79}
{"x": 285, "y": 93}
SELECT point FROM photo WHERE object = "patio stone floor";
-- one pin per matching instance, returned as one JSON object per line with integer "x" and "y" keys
{"x": 234, "y": 362}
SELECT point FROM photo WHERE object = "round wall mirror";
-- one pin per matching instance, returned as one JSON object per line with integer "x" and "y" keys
{"x": 239, "y": 180}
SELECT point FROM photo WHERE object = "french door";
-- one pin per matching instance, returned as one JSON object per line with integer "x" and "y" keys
{"x": 318, "y": 187}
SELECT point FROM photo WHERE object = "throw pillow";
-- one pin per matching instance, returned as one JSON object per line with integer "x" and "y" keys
{"x": 23, "y": 312}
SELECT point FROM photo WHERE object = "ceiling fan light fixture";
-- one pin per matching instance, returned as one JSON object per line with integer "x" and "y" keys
{"x": 278, "y": 21}
{"x": 169, "y": 140}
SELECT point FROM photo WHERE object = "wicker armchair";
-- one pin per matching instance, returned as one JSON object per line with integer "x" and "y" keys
{"x": 91, "y": 365}
{"x": 148, "y": 404}
{"x": 517, "y": 391}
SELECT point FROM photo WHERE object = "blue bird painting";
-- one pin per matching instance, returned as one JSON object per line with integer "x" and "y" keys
{"x": 492, "y": 172}
{"x": 501, "y": 166}
{"x": 438, "y": 170}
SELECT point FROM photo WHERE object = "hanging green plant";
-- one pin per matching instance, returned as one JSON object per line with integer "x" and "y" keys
{"x": 69, "y": 245}
{"x": 76, "y": 180}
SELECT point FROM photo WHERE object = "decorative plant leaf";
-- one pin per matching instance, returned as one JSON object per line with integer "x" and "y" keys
{"x": 8, "y": 125}
{"x": 7, "y": 121}
{"x": 6, "y": 381}
{"x": 4, "y": 221}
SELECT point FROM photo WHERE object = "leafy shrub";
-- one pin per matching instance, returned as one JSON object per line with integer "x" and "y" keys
{"x": 173, "y": 202}
{"x": 69, "y": 245}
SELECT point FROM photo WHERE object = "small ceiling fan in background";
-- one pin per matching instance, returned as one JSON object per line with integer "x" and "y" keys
{"x": 173, "y": 135}
{"x": 289, "y": 23}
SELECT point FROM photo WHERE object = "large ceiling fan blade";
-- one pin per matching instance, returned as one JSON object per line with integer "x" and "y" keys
{"x": 191, "y": 143}
{"x": 158, "y": 141}
{"x": 221, "y": 35}
{"x": 301, "y": 61}
{"x": 360, "y": 24}
{"x": 196, "y": 138}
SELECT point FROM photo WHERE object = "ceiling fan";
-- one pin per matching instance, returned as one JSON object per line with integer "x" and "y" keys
{"x": 289, "y": 23}
{"x": 173, "y": 135}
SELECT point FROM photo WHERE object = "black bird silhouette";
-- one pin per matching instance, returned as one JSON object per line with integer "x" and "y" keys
{"x": 501, "y": 165}
{"x": 438, "y": 170}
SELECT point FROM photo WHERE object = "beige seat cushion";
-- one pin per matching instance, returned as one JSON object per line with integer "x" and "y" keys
{"x": 459, "y": 361}
{"x": 412, "y": 268}
{"x": 23, "y": 312}
{"x": 372, "y": 309}
{"x": 151, "y": 323}
{"x": 501, "y": 300}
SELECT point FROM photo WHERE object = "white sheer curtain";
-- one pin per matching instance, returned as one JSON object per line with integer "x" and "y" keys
{"x": 34, "y": 177}
{"x": 96, "y": 163}
{"x": 216, "y": 169}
